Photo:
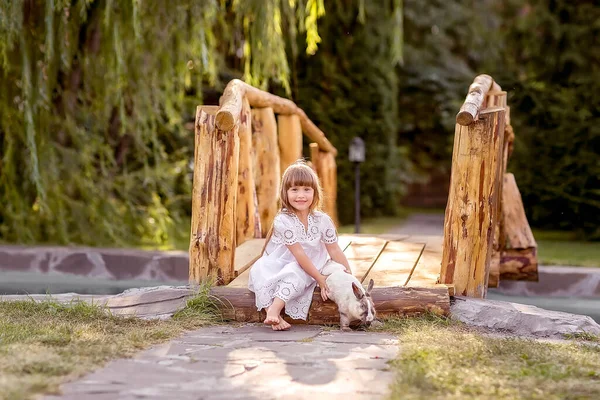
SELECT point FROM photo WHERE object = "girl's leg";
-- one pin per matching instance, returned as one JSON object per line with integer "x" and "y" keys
{"x": 273, "y": 312}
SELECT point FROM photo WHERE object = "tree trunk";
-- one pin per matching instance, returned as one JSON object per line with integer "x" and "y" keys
{"x": 472, "y": 204}
{"x": 267, "y": 174}
{"x": 238, "y": 304}
{"x": 290, "y": 140}
{"x": 246, "y": 212}
{"x": 213, "y": 235}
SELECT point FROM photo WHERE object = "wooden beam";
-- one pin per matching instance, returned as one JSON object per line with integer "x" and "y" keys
{"x": 238, "y": 304}
{"x": 478, "y": 90}
{"x": 231, "y": 107}
{"x": 246, "y": 211}
{"x": 214, "y": 198}
{"x": 290, "y": 140}
{"x": 267, "y": 173}
{"x": 472, "y": 204}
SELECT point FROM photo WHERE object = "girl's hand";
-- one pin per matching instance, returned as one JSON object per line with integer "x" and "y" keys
{"x": 321, "y": 280}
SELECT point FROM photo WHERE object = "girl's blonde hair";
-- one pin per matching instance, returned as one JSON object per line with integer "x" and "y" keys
{"x": 300, "y": 174}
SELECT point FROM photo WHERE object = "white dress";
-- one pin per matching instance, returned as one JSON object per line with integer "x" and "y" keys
{"x": 278, "y": 274}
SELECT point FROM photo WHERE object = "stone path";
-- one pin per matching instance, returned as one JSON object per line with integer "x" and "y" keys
{"x": 249, "y": 362}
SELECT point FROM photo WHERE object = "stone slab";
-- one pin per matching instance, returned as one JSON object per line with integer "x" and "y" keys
{"x": 520, "y": 319}
{"x": 249, "y": 362}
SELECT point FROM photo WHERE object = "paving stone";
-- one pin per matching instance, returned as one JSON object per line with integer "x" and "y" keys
{"x": 248, "y": 362}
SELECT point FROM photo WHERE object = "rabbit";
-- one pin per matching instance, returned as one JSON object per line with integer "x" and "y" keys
{"x": 353, "y": 301}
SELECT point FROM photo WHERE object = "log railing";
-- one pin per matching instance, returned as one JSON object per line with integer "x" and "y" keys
{"x": 486, "y": 234}
{"x": 241, "y": 150}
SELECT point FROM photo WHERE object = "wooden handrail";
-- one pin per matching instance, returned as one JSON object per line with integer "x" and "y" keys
{"x": 478, "y": 90}
{"x": 230, "y": 108}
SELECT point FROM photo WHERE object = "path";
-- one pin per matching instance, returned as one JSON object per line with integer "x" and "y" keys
{"x": 249, "y": 362}
{"x": 421, "y": 225}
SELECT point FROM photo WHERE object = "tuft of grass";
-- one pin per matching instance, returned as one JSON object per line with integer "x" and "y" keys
{"x": 45, "y": 344}
{"x": 584, "y": 336}
{"x": 440, "y": 358}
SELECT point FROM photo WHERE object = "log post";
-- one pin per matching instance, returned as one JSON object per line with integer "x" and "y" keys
{"x": 290, "y": 140}
{"x": 472, "y": 204}
{"x": 246, "y": 211}
{"x": 498, "y": 99}
{"x": 327, "y": 171}
{"x": 519, "y": 260}
{"x": 267, "y": 174}
{"x": 213, "y": 236}
{"x": 314, "y": 157}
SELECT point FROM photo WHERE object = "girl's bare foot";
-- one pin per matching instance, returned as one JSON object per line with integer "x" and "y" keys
{"x": 281, "y": 326}
{"x": 272, "y": 317}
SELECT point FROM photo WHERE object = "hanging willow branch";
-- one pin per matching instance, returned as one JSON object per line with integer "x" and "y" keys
{"x": 93, "y": 99}
{"x": 94, "y": 95}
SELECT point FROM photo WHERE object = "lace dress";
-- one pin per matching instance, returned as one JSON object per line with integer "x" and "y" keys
{"x": 278, "y": 274}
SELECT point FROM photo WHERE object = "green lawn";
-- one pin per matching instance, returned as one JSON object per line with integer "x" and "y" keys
{"x": 440, "y": 359}
{"x": 562, "y": 248}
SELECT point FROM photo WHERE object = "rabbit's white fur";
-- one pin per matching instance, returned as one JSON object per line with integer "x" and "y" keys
{"x": 353, "y": 301}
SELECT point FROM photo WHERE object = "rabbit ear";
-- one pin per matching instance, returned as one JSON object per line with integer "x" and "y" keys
{"x": 370, "y": 287}
{"x": 357, "y": 292}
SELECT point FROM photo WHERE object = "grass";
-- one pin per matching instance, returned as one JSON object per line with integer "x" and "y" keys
{"x": 444, "y": 359}
{"x": 45, "y": 344}
{"x": 562, "y": 248}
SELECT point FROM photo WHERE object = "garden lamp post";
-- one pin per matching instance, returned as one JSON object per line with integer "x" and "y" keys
{"x": 357, "y": 156}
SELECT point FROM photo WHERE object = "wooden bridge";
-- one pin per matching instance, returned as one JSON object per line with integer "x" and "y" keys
{"x": 241, "y": 150}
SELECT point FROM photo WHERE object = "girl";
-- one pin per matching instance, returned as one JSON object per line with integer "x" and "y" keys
{"x": 302, "y": 238}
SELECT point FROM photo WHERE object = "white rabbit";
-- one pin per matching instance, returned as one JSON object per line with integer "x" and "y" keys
{"x": 353, "y": 301}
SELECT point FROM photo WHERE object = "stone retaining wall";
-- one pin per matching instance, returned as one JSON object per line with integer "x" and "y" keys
{"x": 116, "y": 264}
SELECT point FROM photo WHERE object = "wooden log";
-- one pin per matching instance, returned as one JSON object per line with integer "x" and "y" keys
{"x": 213, "y": 236}
{"x": 475, "y": 99}
{"x": 267, "y": 174}
{"x": 238, "y": 304}
{"x": 518, "y": 232}
{"x": 472, "y": 204}
{"x": 231, "y": 106}
{"x": 519, "y": 264}
{"x": 494, "y": 276}
{"x": 314, "y": 157}
{"x": 290, "y": 140}
{"x": 327, "y": 171}
{"x": 246, "y": 212}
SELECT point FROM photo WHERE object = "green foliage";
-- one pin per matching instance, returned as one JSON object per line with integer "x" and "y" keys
{"x": 350, "y": 88}
{"x": 551, "y": 65}
{"x": 446, "y": 45}
{"x": 93, "y": 99}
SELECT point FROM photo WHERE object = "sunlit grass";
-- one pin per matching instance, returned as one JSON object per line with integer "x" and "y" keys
{"x": 44, "y": 344}
{"x": 441, "y": 359}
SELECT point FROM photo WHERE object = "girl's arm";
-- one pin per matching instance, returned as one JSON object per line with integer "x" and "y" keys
{"x": 337, "y": 255}
{"x": 308, "y": 266}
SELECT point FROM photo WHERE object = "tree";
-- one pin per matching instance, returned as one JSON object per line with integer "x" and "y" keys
{"x": 93, "y": 99}
{"x": 350, "y": 88}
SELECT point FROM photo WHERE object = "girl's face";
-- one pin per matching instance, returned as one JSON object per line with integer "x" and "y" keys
{"x": 300, "y": 197}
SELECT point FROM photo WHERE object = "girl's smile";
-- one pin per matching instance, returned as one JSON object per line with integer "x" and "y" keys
{"x": 300, "y": 197}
